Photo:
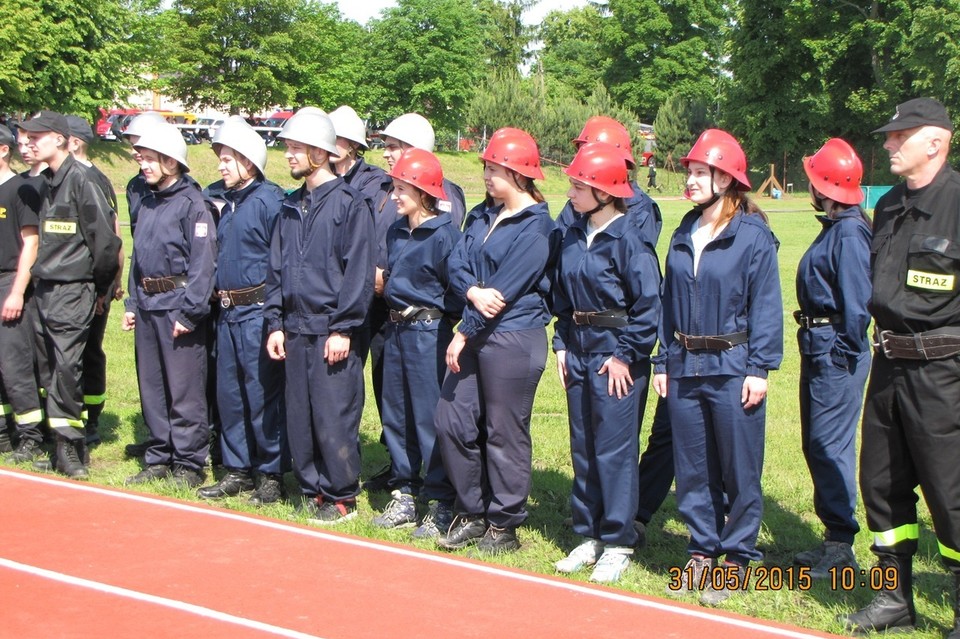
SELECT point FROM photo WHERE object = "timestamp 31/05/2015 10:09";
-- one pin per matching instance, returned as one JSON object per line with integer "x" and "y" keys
{"x": 845, "y": 578}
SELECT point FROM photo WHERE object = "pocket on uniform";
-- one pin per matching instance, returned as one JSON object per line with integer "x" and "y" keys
{"x": 933, "y": 265}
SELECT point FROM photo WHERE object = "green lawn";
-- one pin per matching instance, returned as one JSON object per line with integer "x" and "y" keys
{"x": 789, "y": 523}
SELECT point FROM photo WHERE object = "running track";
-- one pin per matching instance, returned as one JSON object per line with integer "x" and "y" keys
{"x": 78, "y": 560}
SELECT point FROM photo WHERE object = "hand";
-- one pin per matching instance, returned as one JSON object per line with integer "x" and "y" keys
{"x": 129, "y": 321}
{"x": 336, "y": 348}
{"x": 488, "y": 301}
{"x": 179, "y": 329}
{"x": 275, "y": 346}
{"x": 754, "y": 390}
{"x": 378, "y": 283}
{"x": 562, "y": 368}
{"x": 454, "y": 350}
{"x": 12, "y": 307}
{"x": 660, "y": 384}
{"x": 99, "y": 308}
{"x": 618, "y": 377}
{"x": 118, "y": 293}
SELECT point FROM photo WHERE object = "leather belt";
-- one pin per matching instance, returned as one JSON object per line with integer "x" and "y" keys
{"x": 712, "y": 342}
{"x": 939, "y": 343}
{"x": 242, "y": 296}
{"x": 415, "y": 314}
{"x": 809, "y": 321}
{"x": 154, "y": 285}
{"x": 604, "y": 319}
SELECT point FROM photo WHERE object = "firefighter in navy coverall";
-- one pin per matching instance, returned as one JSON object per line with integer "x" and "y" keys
{"x": 410, "y": 130}
{"x": 75, "y": 268}
{"x": 249, "y": 383}
{"x": 94, "y": 357}
{"x": 911, "y": 424}
{"x": 319, "y": 287}
{"x": 172, "y": 275}
{"x": 607, "y": 302}
{"x": 656, "y": 463}
{"x": 423, "y": 310}
{"x": 19, "y": 395}
{"x": 833, "y": 288}
{"x": 720, "y": 334}
{"x": 497, "y": 357}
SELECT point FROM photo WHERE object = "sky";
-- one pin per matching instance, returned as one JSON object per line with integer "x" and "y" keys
{"x": 363, "y": 10}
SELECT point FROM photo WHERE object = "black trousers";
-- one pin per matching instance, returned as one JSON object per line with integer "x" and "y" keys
{"x": 18, "y": 381}
{"x": 911, "y": 438}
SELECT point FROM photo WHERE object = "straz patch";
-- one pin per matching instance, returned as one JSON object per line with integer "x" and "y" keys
{"x": 200, "y": 229}
{"x": 3, "y": 213}
{"x": 930, "y": 281}
{"x": 64, "y": 228}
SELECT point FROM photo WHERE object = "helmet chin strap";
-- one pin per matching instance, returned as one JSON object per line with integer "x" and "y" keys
{"x": 714, "y": 196}
{"x": 600, "y": 205}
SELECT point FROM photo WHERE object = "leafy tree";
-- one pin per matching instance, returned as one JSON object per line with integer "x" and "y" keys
{"x": 570, "y": 54}
{"x": 72, "y": 56}
{"x": 425, "y": 59}
{"x": 505, "y": 35}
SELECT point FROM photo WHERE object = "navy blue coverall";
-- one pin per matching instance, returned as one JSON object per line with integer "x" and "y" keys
{"x": 833, "y": 283}
{"x": 656, "y": 462}
{"x": 320, "y": 281}
{"x": 617, "y": 272}
{"x": 414, "y": 353}
{"x": 249, "y": 382}
{"x": 717, "y": 444}
{"x": 177, "y": 237}
{"x": 489, "y": 461}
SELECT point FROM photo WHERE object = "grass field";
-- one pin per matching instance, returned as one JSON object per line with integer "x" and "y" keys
{"x": 789, "y": 522}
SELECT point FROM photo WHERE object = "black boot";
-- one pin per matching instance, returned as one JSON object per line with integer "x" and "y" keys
{"x": 955, "y": 633}
{"x": 891, "y": 608}
{"x": 69, "y": 458}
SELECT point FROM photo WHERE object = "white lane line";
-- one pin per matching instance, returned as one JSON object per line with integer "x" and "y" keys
{"x": 153, "y": 599}
{"x": 417, "y": 554}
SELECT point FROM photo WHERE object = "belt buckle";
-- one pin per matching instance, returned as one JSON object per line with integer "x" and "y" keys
{"x": 225, "y": 301}
{"x": 882, "y": 342}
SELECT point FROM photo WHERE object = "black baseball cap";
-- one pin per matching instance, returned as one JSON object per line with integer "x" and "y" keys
{"x": 80, "y": 128}
{"x": 918, "y": 112}
{"x": 6, "y": 136}
{"x": 47, "y": 121}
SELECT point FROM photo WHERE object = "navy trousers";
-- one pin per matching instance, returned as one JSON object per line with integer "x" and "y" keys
{"x": 324, "y": 406}
{"x": 414, "y": 357}
{"x": 830, "y": 401}
{"x": 172, "y": 374}
{"x": 250, "y": 399}
{"x": 718, "y": 448}
{"x": 604, "y": 447}
{"x": 489, "y": 460}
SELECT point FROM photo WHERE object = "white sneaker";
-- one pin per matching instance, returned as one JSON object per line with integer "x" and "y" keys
{"x": 612, "y": 564}
{"x": 586, "y": 554}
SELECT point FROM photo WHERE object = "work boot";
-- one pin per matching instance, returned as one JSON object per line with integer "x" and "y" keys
{"x": 955, "y": 632}
{"x": 231, "y": 485}
{"x": 891, "y": 608}
{"x": 464, "y": 531}
{"x": 138, "y": 449}
{"x": 91, "y": 434}
{"x": 69, "y": 458}
{"x": 27, "y": 451}
{"x": 184, "y": 477}
{"x": 6, "y": 446}
{"x": 498, "y": 540}
{"x": 270, "y": 491}
{"x": 836, "y": 555}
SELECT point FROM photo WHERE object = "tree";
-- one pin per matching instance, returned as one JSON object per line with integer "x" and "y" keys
{"x": 425, "y": 57}
{"x": 570, "y": 54}
{"x": 72, "y": 56}
{"x": 505, "y": 36}
{"x": 678, "y": 124}
{"x": 236, "y": 55}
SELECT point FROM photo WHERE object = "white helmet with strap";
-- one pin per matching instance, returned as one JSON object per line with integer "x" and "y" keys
{"x": 240, "y": 136}
{"x": 412, "y": 129}
{"x": 312, "y": 127}
{"x": 143, "y": 122}
{"x": 166, "y": 139}
{"x": 348, "y": 125}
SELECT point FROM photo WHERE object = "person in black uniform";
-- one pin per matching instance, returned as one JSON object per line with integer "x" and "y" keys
{"x": 911, "y": 427}
{"x": 94, "y": 357}
{"x": 75, "y": 268}
{"x": 19, "y": 396}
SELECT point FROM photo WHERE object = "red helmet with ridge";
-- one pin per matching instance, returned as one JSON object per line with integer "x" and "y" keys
{"x": 835, "y": 171}
{"x": 601, "y": 128}
{"x": 601, "y": 166}
{"x": 516, "y": 150}
{"x": 720, "y": 150}
{"x": 420, "y": 169}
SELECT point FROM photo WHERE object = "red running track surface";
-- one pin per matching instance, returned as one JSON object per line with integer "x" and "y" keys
{"x": 78, "y": 560}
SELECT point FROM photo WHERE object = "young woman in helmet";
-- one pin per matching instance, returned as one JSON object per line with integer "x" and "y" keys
{"x": 833, "y": 288}
{"x": 423, "y": 310}
{"x": 721, "y": 332}
{"x": 498, "y": 356}
{"x": 607, "y": 306}
{"x": 172, "y": 277}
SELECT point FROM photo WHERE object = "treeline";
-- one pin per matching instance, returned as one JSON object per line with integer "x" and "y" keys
{"x": 782, "y": 75}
